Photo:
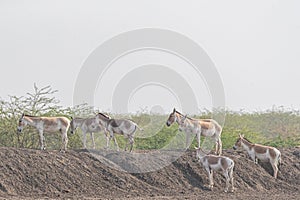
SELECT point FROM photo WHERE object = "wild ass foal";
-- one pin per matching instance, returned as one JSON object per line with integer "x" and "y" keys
{"x": 217, "y": 163}
{"x": 204, "y": 127}
{"x": 119, "y": 126}
{"x": 88, "y": 125}
{"x": 261, "y": 152}
{"x": 47, "y": 124}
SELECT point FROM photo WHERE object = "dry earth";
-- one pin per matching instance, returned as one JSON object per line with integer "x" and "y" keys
{"x": 77, "y": 174}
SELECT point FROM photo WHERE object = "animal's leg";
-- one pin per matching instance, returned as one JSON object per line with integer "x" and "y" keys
{"x": 84, "y": 140}
{"x": 107, "y": 139}
{"x": 210, "y": 178}
{"x": 219, "y": 146}
{"x": 275, "y": 169}
{"x": 198, "y": 138}
{"x": 219, "y": 141}
{"x": 216, "y": 147}
{"x": 64, "y": 142}
{"x": 131, "y": 141}
{"x": 211, "y": 182}
{"x": 116, "y": 143}
{"x": 231, "y": 179}
{"x": 93, "y": 140}
{"x": 42, "y": 139}
{"x": 128, "y": 142}
{"x": 44, "y": 142}
{"x": 252, "y": 156}
{"x": 227, "y": 180}
{"x": 187, "y": 139}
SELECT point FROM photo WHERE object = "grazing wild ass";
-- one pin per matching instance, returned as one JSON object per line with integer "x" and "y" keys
{"x": 47, "y": 124}
{"x": 217, "y": 163}
{"x": 88, "y": 125}
{"x": 204, "y": 127}
{"x": 119, "y": 126}
{"x": 261, "y": 152}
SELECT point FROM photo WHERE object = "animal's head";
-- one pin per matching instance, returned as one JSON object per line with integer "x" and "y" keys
{"x": 22, "y": 123}
{"x": 238, "y": 142}
{"x": 199, "y": 153}
{"x": 72, "y": 126}
{"x": 182, "y": 123}
{"x": 172, "y": 118}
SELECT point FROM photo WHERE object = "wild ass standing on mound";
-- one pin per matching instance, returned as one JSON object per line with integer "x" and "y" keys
{"x": 217, "y": 163}
{"x": 119, "y": 126}
{"x": 88, "y": 125}
{"x": 204, "y": 127}
{"x": 47, "y": 124}
{"x": 261, "y": 152}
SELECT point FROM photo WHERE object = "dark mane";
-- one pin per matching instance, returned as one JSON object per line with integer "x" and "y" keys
{"x": 107, "y": 117}
{"x": 25, "y": 115}
{"x": 79, "y": 118}
{"x": 184, "y": 115}
{"x": 247, "y": 140}
{"x": 178, "y": 112}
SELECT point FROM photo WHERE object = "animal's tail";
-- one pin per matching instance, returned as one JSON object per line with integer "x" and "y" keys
{"x": 139, "y": 127}
{"x": 136, "y": 127}
{"x": 279, "y": 161}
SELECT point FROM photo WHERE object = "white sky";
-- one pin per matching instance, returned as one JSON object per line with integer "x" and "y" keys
{"x": 254, "y": 44}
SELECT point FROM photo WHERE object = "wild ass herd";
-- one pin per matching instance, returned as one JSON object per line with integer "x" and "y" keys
{"x": 127, "y": 128}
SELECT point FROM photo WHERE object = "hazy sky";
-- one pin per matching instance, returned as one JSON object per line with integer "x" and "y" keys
{"x": 255, "y": 46}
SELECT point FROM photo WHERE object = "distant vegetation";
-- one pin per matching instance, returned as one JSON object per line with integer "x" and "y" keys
{"x": 40, "y": 102}
{"x": 277, "y": 127}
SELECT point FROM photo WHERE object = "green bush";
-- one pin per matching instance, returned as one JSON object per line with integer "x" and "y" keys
{"x": 40, "y": 102}
{"x": 277, "y": 127}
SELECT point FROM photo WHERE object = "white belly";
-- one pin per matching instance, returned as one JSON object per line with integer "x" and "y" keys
{"x": 262, "y": 156}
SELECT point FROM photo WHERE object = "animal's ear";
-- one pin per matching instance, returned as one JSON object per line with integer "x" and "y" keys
{"x": 71, "y": 118}
{"x": 243, "y": 136}
{"x": 183, "y": 119}
{"x": 22, "y": 115}
{"x": 174, "y": 110}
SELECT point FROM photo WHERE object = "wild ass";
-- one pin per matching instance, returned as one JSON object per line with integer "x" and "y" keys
{"x": 47, "y": 124}
{"x": 88, "y": 125}
{"x": 204, "y": 127}
{"x": 261, "y": 152}
{"x": 119, "y": 126}
{"x": 217, "y": 163}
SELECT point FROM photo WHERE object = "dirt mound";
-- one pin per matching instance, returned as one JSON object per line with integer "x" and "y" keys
{"x": 30, "y": 174}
